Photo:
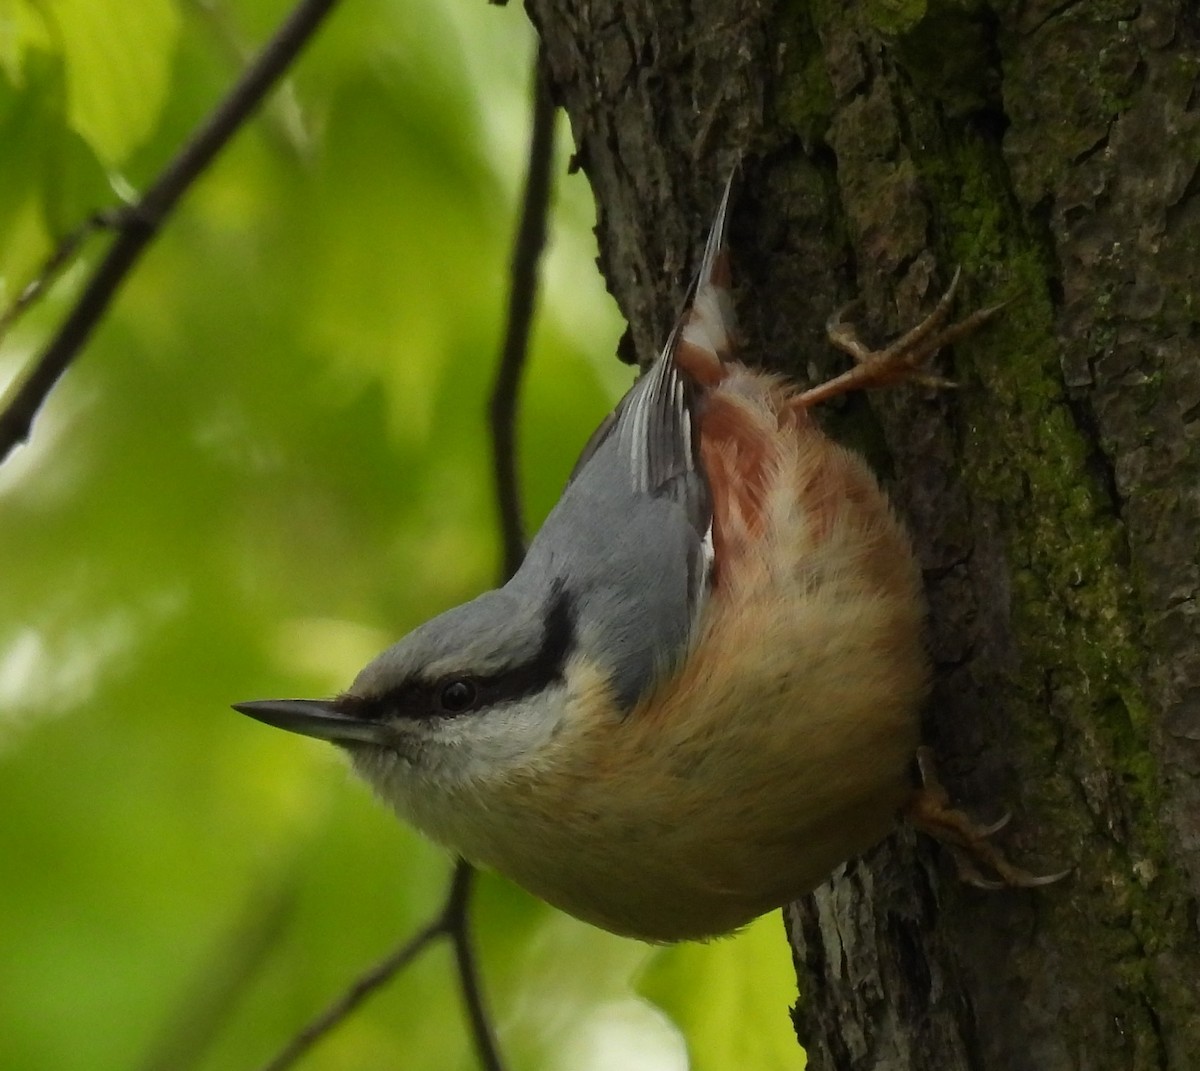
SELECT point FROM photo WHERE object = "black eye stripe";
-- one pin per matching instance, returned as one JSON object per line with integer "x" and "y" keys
{"x": 421, "y": 698}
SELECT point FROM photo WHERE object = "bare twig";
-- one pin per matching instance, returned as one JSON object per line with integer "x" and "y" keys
{"x": 355, "y": 994}
{"x": 283, "y": 113}
{"x": 450, "y": 922}
{"x": 527, "y": 251}
{"x": 453, "y": 919}
{"x": 60, "y": 258}
{"x": 140, "y": 222}
{"x": 458, "y": 929}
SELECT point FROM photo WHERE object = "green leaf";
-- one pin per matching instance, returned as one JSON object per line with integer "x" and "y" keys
{"x": 118, "y": 58}
{"x": 731, "y": 998}
{"x": 50, "y": 180}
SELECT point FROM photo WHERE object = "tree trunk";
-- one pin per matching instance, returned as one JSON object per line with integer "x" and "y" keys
{"x": 1051, "y": 149}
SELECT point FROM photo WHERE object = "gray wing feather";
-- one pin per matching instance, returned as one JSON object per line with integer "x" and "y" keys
{"x": 631, "y": 536}
{"x": 656, "y": 425}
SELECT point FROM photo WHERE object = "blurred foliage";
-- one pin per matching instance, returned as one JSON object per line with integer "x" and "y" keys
{"x": 271, "y": 461}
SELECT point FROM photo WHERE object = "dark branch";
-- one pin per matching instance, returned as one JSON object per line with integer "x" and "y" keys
{"x": 54, "y": 265}
{"x": 458, "y": 928}
{"x": 527, "y": 251}
{"x": 138, "y": 224}
{"x": 356, "y": 993}
{"x": 453, "y": 921}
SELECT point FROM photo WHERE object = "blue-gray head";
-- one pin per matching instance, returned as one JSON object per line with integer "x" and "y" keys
{"x": 614, "y": 582}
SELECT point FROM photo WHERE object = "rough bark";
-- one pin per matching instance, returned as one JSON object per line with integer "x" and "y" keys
{"x": 1051, "y": 149}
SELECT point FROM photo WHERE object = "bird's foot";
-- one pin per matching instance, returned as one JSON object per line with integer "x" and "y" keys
{"x": 979, "y": 862}
{"x": 903, "y": 359}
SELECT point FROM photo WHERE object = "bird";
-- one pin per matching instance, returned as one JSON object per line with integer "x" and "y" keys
{"x": 700, "y": 693}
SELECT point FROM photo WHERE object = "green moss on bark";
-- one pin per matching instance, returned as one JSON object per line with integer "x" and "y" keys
{"x": 970, "y": 129}
{"x": 1078, "y": 625}
{"x": 804, "y": 101}
{"x": 894, "y": 16}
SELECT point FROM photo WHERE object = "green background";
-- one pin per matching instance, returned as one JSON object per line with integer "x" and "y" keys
{"x": 269, "y": 463}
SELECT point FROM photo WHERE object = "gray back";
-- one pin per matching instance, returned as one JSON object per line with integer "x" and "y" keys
{"x": 630, "y": 537}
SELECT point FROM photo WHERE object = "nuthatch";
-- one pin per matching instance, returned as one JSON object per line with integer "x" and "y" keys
{"x": 700, "y": 692}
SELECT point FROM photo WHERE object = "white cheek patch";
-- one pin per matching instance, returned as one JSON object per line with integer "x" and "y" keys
{"x": 457, "y": 779}
{"x": 486, "y": 745}
{"x": 446, "y": 757}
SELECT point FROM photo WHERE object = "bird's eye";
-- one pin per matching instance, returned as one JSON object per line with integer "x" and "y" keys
{"x": 458, "y": 695}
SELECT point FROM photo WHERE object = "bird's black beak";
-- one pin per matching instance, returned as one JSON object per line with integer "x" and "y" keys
{"x": 321, "y": 718}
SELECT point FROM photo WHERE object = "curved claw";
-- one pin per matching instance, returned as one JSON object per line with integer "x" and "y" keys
{"x": 930, "y": 811}
{"x": 996, "y": 826}
{"x": 837, "y": 318}
{"x": 1023, "y": 879}
{"x": 901, "y": 360}
{"x": 969, "y": 874}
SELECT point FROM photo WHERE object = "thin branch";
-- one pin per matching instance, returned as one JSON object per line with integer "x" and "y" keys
{"x": 453, "y": 919}
{"x": 60, "y": 258}
{"x": 527, "y": 251}
{"x": 139, "y": 223}
{"x": 283, "y": 113}
{"x": 451, "y": 922}
{"x": 362, "y": 987}
{"x": 458, "y": 929}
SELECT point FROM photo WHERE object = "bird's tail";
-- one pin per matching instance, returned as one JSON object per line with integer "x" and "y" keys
{"x": 708, "y": 334}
